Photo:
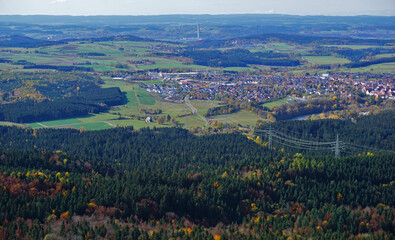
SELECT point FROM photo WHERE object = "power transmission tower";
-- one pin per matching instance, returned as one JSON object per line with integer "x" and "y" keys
{"x": 337, "y": 147}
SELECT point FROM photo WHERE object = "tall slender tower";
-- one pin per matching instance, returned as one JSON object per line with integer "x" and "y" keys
{"x": 198, "y": 31}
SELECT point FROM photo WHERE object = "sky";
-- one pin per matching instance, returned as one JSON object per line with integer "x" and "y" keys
{"x": 161, "y": 7}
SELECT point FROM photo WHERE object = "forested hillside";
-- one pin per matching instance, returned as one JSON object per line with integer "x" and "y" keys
{"x": 368, "y": 132}
{"x": 167, "y": 183}
{"x": 31, "y": 97}
{"x": 169, "y": 149}
{"x": 95, "y": 101}
{"x": 237, "y": 58}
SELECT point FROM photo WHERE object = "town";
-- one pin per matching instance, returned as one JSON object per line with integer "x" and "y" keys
{"x": 264, "y": 88}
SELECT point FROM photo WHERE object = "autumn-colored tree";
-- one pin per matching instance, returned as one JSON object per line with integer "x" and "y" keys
{"x": 65, "y": 216}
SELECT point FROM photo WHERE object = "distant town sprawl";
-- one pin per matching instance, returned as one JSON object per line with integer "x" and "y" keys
{"x": 264, "y": 88}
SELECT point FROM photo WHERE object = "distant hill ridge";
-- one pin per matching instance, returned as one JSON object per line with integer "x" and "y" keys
{"x": 24, "y": 41}
{"x": 294, "y": 38}
{"x": 250, "y": 19}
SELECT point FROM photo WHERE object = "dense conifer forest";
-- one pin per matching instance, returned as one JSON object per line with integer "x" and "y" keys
{"x": 237, "y": 58}
{"x": 374, "y": 131}
{"x": 167, "y": 183}
{"x": 31, "y": 97}
{"x": 95, "y": 101}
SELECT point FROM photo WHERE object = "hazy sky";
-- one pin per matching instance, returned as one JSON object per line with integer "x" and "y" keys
{"x": 155, "y": 7}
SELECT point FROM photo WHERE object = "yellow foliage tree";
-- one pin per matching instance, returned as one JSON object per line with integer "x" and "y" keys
{"x": 254, "y": 208}
{"x": 339, "y": 196}
{"x": 216, "y": 185}
{"x": 258, "y": 140}
{"x": 217, "y": 237}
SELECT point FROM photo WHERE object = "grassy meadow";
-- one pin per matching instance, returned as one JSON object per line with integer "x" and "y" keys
{"x": 277, "y": 102}
{"x": 326, "y": 60}
{"x": 241, "y": 117}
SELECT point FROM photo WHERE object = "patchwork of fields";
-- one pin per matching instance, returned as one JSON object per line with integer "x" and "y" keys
{"x": 131, "y": 56}
{"x": 137, "y": 98}
{"x": 108, "y": 56}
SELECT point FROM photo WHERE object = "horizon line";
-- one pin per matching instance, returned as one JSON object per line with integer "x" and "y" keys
{"x": 195, "y": 14}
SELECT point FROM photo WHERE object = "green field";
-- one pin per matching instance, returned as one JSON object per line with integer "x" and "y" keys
{"x": 72, "y": 123}
{"x": 242, "y": 117}
{"x": 124, "y": 86}
{"x": 62, "y": 122}
{"x": 276, "y": 103}
{"x": 136, "y": 124}
{"x": 104, "y": 116}
{"x": 202, "y": 105}
{"x": 144, "y": 97}
{"x": 132, "y": 100}
{"x": 355, "y": 46}
{"x": 236, "y": 69}
{"x": 325, "y": 60}
{"x": 131, "y": 93}
{"x": 191, "y": 121}
{"x": 102, "y": 68}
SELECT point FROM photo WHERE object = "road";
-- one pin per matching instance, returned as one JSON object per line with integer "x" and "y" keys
{"x": 194, "y": 110}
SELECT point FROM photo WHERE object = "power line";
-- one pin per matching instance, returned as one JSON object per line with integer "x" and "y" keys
{"x": 303, "y": 144}
{"x": 298, "y": 139}
{"x": 299, "y": 147}
{"x": 285, "y": 130}
{"x": 305, "y": 141}
{"x": 356, "y": 146}
{"x": 295, "y": 140}
{"x": 336, "y": 146}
